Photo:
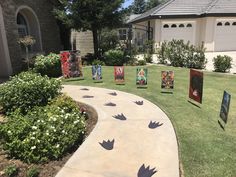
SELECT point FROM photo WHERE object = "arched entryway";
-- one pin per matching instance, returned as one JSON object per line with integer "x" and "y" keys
{"x": 28, "y": 24}
{"x": 5, "y": 63}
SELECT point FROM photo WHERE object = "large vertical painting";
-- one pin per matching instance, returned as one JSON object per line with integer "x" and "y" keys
{"x": 119, "y": 74}
{"x": 71, "y": 64}
{"x": 196, "y": 85}
{"x": 141, "y": 76}
{"x": 224, "y": 111}
{"x": 97, "y": 72}
{"x": 167, "y": 79}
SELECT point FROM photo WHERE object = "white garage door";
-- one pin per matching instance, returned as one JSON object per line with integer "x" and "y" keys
{"x": 184, "y": 31}
{"x": 225, "y": 36}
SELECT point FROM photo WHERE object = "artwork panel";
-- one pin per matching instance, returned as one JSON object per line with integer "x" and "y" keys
{"x": 97, "y": 72}
{"x": 141, "y": 76}
{"x": 196, "y": 85}
{"x": 71, "y": 64}
{"x": 224, "y": 110}
{"x": 167, "y": 79}
{"x": 119, "y": 74}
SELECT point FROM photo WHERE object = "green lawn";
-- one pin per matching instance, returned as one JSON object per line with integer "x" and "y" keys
{"x": 205, "y": 149}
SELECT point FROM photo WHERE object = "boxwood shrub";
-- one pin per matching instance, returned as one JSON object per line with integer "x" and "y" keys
{"x": 222, "y": 63}
{"x": 114, "y": 58}
{"x": 49, "y": 65}
{"x": 26, "y": 90}
{"x": 44, "y": 133}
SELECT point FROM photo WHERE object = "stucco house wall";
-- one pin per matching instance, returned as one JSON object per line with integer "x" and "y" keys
{"x": 42, "y": 26}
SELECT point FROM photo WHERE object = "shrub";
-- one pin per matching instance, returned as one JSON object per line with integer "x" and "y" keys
{"x": 33, "y": 172}
{"x": 181, "y": 54}
{"x": 222, "y": 63}
{"x": 27, "y": 90}
{"x": 162, "y": 53}
{"x": 148, "y": 58}
{"x": 142, "y": 62}
{"x": 49, "y": 65}
{"x": 98, "y": 62}
{"x": 114, "y": 58}
{"x": 11, "y": 170}
{"x": 45, "y": 133}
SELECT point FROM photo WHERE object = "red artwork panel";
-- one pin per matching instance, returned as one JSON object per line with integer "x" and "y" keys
{"x": 119, "y": 74}
{"x": 196, "y": 85}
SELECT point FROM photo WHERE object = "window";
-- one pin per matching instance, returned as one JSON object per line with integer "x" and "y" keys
{"x": 22, "y": 25}
{"x": 166, "y": 26}
{"x": 189, "y": 25}
{"x": 173, "y": 26}
{"x": 219, "y": 24}
{"x": 181, "y": 25}
{"x": 234, "y": 23}
{"x": 227, "y": 24}
{"x": 122, "y": 34}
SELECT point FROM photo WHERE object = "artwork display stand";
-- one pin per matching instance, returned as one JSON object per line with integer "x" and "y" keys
{"x": 167, "y": 82}
{"x": 141, "y": 78}
{"x": 119, "y": 75}
{"x": 224, "y": 110}
{"x": 97, "y": 73}
{"x": 71, "y": 65}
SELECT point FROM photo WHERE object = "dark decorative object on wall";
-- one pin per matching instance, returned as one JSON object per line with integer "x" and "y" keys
{"x": 196, "y": 85}
{"x": 119, "y": 74}
{"x": 167, "y": 79}
{"x": 154, "y": 124}
{"x": 88, "y": 96}
{"x": 224, "y": 111}
{"x": 146, "y": 172}
{"x": 71, "y": 64}
{"x": 141, "y": 76}
{"x": 97, "y": 72}
{"x": 85, "y": 89}
{"x": 139, "y": 102}
{"x": 110, "y": 104}
{"x": 120, "y": 117}
{"x": 113, "y": 94}
{"x": 108, "y": 145}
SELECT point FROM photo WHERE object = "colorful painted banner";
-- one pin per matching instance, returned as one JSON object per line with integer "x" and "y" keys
{"x": 224, "y": 111}
{"x": 196, "y": 85}
{"x": 167, "y": 79}
{"x": 119, "y": 74}
{"x": 141, "y": 76}
{"x": 71, "y": 64}
{"x": 97, "y": 72}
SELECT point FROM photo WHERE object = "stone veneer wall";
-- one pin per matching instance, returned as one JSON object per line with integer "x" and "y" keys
{"x": 49, "y": 30}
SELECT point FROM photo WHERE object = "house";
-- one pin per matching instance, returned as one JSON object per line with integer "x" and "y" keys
{"x": 19, "y": 18}
{"x": 208, "y": 22}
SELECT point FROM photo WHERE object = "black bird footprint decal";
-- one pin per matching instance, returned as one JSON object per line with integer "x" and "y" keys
{"x": 110, "y": 104}
{"x": 88, "y": 96}
{"x": 84, "y": 89}
{"x": 108, "y": 145}
{"x": 139, "y": 102}
{"x": 146, "y": 172}
{"x": 120, "y": 117}
{"x": 113, "y": 94}
{"x": 154, "y": 124}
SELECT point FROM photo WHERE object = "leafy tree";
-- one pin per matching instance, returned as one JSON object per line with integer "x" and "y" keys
{"x": 91, "y": 15}
{"x": 153, "y": 3}
{"x": 138, "y": 6}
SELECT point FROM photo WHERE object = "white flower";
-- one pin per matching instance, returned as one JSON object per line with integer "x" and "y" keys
{"x": 63, "y": 131}
{"x": 47, "y": 133}
{"x": 58, "y": 145}
{"x": 34, "y": 127}
{"x": 33, "y": 147}
{"x": 9, "y": 132}
{"x": 33, "y": 138}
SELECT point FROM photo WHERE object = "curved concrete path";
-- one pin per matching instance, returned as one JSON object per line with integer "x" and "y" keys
{"x": 124, "y": 143}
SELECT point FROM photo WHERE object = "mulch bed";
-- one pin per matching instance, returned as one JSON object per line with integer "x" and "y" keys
{"x": 51, "y": 168}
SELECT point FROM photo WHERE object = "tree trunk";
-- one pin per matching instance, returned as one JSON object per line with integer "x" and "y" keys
{"x": 95, "y": 42}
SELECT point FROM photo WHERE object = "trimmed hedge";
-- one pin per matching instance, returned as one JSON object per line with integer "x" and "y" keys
{"x": 222, "y": 63}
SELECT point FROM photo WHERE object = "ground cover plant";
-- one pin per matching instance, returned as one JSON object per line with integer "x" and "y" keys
{"x": 204, "y": 148}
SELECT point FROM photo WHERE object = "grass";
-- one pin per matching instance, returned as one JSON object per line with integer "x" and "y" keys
{"x": 205, "y": 149}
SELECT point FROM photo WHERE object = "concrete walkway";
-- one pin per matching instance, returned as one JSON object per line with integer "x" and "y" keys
{"x": 133, "y": 138}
